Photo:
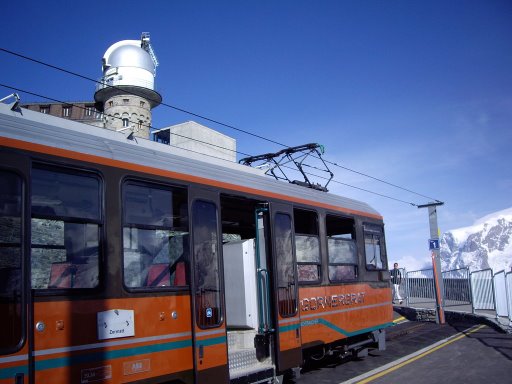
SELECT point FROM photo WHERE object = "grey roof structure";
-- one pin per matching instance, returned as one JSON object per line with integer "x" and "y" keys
{"x": 50, "y": 131}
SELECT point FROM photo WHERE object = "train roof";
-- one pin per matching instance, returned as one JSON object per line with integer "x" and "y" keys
{"x": 45, "y": 133}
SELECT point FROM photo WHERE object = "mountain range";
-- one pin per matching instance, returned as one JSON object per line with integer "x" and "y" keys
{"x": 485, "y": 244}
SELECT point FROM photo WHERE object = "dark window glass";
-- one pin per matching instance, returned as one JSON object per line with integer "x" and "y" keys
{"x": 65, "y": 194}
{"x": 155, "y": 236}
{"x": 65, "y": 230}
{"x": 287, "y": 289}
{"x": 206, "y": 261}
{"x": 374, "y": 250}
{"x": 307, "y": 246}
{"x": 342, "y": 249}
{"x": 11, "y": 319}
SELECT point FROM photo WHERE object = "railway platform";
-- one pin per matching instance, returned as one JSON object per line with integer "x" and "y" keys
{"x": 469, "y": 348}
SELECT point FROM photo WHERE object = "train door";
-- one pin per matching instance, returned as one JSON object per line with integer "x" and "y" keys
{"x": 209, "y": 331}
{"x": 14, "y": 347}
{"x": 288, "y": 348}
{"x": 247, "y": 289}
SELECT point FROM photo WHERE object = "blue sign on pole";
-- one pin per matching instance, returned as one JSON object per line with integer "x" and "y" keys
{"x": 433, "y": 244}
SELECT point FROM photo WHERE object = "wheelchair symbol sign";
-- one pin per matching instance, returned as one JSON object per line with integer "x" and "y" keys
{"x": 209, "y": 312}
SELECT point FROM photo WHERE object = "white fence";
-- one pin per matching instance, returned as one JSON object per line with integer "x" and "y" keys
{"x": 482, "y": 290}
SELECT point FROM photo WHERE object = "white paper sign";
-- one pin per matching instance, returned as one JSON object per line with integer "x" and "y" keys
{"x": 115, "y": 323}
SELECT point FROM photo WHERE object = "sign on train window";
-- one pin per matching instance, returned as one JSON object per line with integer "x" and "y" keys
{"x": 286, "y": 287}
{"x": 206, "y": 264}
{"x": 307, "y": 246}
{"x": 374, "y": 247}
{"x": 341, "y": 247}
{"x": 11, "y": 306}
{"x": 155, "y": 235}
{"x": 65, "y": 229}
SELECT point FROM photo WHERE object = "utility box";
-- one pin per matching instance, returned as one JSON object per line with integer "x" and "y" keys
{"x": 240, "y": 283}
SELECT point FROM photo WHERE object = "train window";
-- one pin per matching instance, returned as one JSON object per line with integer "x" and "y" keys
{"x": 341, "y": 247}
{"x": 65, "y": 230}
{"x": 307, "y": 246}
{"x": 374, "y": 249}
{"x": 11, "y": 282}
{"x": 287, "y": 290}
{"x": 206, "y": 261}
{"x": 155, "y": 235}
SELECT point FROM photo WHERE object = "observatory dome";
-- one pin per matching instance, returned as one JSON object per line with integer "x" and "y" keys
{"x": 131, "y": 56}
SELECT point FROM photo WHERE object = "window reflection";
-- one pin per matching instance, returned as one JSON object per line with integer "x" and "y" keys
{"x": 65, "y": 229}
{"x": 155, "y": 237}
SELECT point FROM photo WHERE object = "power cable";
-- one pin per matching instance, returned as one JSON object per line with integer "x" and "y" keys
{"x": 215, "y": 157}
{"x": 121, "y": 118}
{"x": 210, "y": 120}
{"x": 131, "y": 93}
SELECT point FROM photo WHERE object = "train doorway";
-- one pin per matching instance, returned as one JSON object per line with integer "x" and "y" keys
{"x": 249, "y": 310}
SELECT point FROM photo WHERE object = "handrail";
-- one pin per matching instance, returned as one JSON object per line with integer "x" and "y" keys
{"x": 262, "y": 281}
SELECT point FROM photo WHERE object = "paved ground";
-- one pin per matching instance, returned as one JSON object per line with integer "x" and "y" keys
{"x": 424, "y": 352}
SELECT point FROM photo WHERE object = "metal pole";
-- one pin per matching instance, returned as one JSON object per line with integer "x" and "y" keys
{"x": 436, "y": 264}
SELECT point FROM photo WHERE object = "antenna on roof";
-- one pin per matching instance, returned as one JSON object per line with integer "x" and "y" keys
{"x": 276, "y": 162}
{"x": 146, "y": 45}
{"x": 16, "y": 102}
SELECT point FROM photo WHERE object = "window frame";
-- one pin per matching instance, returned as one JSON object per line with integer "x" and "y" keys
{"x": 317, "y": 236}
{"x": 161, "y": 186}
{"x": 220, "y": 283}
{"x": 352, "y": 240}
{"x": 99, "y": 222}
{"x": 293, "y": 297}
{"x": 66, "y": 111}
{"x": 376, "y": 231}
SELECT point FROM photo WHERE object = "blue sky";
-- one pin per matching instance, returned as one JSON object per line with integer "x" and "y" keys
{"x": 418, "y": 93}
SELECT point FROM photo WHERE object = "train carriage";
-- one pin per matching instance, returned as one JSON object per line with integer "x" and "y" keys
{"x": 132, "y": 261}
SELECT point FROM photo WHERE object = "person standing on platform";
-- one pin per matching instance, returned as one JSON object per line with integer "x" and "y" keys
{"x": 396, "y": 280}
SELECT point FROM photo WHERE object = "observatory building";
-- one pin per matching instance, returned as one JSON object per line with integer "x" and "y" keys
{"x": 126, "y": 92}
{"x": 124, "y": 98}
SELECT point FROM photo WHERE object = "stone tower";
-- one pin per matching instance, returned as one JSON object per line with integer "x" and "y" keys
{"x": 127, "y": 93}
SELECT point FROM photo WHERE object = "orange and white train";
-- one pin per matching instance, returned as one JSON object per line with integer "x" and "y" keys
{"x": 126, "y": 261}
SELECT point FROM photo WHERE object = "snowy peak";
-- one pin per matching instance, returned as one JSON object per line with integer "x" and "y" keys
{"x": 486, "y": 244}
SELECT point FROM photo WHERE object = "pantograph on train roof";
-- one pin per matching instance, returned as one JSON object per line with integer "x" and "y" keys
{"x": 283, "y": 164}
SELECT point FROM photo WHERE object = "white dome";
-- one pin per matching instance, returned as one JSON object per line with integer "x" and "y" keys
{"x": 128, "y": 55}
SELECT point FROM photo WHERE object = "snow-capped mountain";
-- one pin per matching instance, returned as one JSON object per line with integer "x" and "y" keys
{"x": 485, "y": 244}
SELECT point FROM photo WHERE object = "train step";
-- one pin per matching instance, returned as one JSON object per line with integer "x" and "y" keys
{"x": 243, "y": 364}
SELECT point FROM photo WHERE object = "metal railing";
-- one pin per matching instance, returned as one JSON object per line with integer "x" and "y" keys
{"x": 457, "y": 287}
{"x": 419, "y": 287}
{"x": 508, "y": 284}
{"x": 500, "y": 294}
{"x": 482, "y": 290}
{"x": 478, "y": 290}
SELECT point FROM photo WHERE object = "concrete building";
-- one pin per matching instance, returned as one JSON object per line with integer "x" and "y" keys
{"x": 198, "y": 138}
{"x": 81, "y": 111}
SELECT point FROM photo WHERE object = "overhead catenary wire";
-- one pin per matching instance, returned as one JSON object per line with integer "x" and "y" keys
{"x": 131, "y": 93}
{"x": 121, "y": 118}
{"x": 58, "y": 68}
{"x": 216, "y": 157}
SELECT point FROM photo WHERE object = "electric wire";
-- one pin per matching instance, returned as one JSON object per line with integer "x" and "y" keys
{"x": 216, "y": 157}
{"x": 131, "y": 93}
{"x": 58, "y": 68}
{"x": 121, "y": 118}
